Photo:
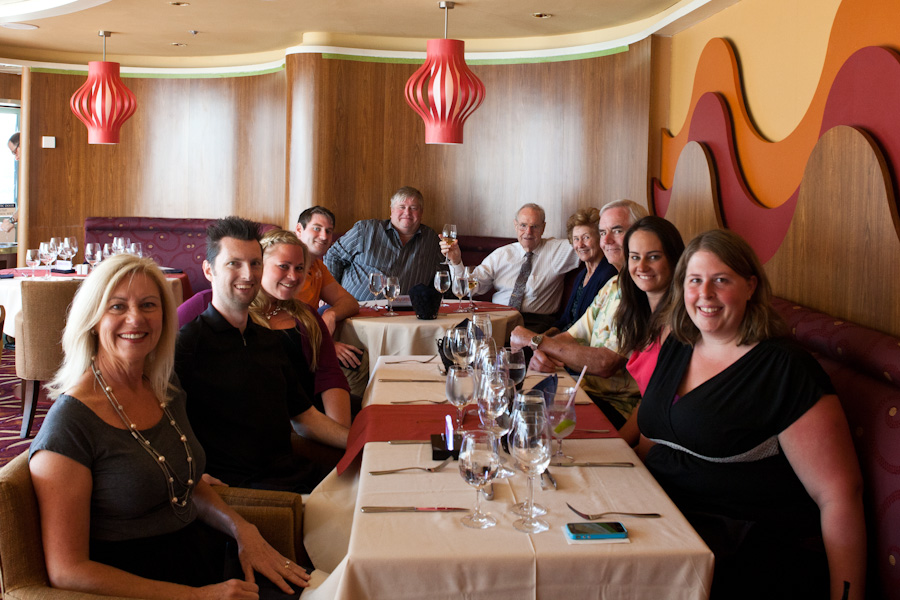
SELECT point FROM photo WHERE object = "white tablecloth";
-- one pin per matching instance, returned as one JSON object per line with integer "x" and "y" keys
{"x": 407, "y": 334}
{"x": 433, "y": 555}
{"x": 11, "y": 297}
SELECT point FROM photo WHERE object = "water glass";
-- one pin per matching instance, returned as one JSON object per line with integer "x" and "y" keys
{"x": 530, "y": 447}
{"x": 460, "y": 289}
{"x": 478, "y": 466}
{"x": 460, "y": 389}
{"x": 442, "y": 284}
{"x": 513, "y": 362}
{"x": 48, "y": 253}
{"x": 107, "y": 251}
{"x": 456, "y": 342}
{"x": 32, "y": 259}
{"x": 93, "y": 254}
{"x": 136, "y": 249}
{"x": 376, "y": 285}
{"x": 72, "y": 243}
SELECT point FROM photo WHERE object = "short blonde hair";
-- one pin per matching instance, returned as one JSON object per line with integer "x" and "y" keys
{"x": 80, "y": 345}
{"x": 587, "y": 217}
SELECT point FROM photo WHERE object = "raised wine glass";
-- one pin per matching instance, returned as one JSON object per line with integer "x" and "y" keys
{"x": 460, "y": 289}
{"x": 460, "y": 388}
{"x": 32, "y": 259}
{"x": 376, "y": 285}
{"x": 442, "y": 284}
{"x": 449, "y": 236}
{"x": 391, "y": 292}
{"x": 93, "y": 254}
{"x": 531, "y": 448}
{"x": 478, "y": 466}
{"x": 561, "y": 417}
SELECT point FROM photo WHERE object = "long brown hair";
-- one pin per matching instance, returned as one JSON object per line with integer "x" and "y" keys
{"x": 299, "y": 310}
{"x": 760, "y": 321}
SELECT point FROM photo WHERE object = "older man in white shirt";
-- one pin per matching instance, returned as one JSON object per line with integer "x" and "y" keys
{"x": 527, "y": 275}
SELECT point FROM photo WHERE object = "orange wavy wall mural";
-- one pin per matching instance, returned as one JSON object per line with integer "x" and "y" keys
{"x": 770, "y": 172}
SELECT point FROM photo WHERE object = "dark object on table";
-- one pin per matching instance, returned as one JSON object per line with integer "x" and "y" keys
{"x": 426, "y": 301}
{"x": 439, "y": 449}
{"x": 7, "y": 275}
{"x": 63, "y": 271}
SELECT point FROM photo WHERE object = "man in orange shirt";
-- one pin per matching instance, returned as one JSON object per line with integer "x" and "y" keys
{"x": 315, "y": 228}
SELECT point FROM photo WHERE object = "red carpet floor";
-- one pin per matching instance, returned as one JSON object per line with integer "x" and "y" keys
{"x": 11, "y": 412}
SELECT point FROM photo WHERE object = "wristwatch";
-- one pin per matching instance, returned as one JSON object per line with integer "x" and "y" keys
{"x": 536, "y": 341}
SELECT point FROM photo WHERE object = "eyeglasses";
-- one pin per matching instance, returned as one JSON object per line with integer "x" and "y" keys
{"x": 523, "y": 227}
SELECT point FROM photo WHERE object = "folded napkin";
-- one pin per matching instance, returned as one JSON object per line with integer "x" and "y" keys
{"x": 63, "y": 271}
{"x": 7, "y": 275}
{"x": 547, "y": 386}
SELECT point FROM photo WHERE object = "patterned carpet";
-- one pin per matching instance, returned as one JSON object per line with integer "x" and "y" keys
{"x": 11, "y": 412}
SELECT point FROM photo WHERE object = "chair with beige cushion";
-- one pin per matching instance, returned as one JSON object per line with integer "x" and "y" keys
{"x": 39, "y": 328}
{"x": 23, "y": 575}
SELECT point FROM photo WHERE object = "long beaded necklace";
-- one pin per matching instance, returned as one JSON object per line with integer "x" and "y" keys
{"x": 180, "y": 504}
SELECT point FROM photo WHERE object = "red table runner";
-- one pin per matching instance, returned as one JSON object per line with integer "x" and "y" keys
{"x": 385, "y": 422}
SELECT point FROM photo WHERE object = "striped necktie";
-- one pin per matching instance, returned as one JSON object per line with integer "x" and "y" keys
{"x": 518, "y": 293}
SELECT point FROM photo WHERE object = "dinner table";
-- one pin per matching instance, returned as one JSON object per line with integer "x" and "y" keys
{"x": 427, "y": 554}
{"x": 406, "y": 334}
{"x": 11, "y": 290}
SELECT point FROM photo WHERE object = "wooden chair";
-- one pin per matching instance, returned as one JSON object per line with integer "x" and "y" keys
{"x": 39, "y": 328}
{"x": 23, "y": 574}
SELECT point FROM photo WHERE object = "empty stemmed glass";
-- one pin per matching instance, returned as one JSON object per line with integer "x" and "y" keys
{"x": 457, "y": 344}
{"x": 391, "y": 292}
{"x": 376, "y": 285}
{"x": 526, "y": 402}
{"x": 107, "y": 251}
{"x": 449, "y": 236}
{"x": 442, "y": 284}
{"x": 48, "y": 255}
{"x": 478, "y": 465}
{"x": 460, "y": 389}
{"x": 460, "y": 289}
{"x": 561, "y": 417}
{"x": 32, "y": 259}
{"x": 136, "y": 249}
{"x": 530, "y": 447}
{"x": 93, "y": 254}
{"x": 72, "y": 242}
{"x": 66, "y": 252}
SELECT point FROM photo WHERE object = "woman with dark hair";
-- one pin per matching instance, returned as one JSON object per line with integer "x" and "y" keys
{"x": 745, "y": 434}
{"x": 652, "y": 248}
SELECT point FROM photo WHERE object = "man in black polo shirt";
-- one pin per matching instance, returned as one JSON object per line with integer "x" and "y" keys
{"x": 243, "y": 395}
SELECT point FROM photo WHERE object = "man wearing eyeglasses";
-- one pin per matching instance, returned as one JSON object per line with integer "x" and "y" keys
{"x": 527, "y": 275}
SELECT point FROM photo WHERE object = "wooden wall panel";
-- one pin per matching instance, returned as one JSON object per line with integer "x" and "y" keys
{"x": 565, "y": 135}
{"x": 10, "y": 86}
{"x": 194, "y": 148}
{"x": 842, "y": 252}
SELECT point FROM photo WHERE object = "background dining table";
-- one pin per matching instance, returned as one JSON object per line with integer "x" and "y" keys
{"x": 432, "y": 555}
{"x": 406, "y": 334}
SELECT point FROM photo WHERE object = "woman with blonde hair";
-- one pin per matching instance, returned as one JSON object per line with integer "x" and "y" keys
{"x": 285, "y": 263}
{"x": 116, "y": 466}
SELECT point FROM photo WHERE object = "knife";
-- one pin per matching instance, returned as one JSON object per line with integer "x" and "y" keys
{"x": 598, "y": 464}
{"x": 551, "y": 478}
{"x": 394, "y": 442}
{"x": 387, "y": 509}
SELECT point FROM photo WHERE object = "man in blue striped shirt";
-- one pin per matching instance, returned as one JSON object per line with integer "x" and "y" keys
{"x": 400, "y": 246}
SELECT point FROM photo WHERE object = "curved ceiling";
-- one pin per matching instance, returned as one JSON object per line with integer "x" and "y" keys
{"x": 244, "y": 32}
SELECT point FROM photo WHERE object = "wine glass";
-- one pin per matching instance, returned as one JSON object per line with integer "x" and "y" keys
{"x": 460, "y": 289}
{"x": 136, "y": 249}
{"x": 442, "y": 284}
{"x": 391, "y": 292}
{"x": 47, "y": 254}
{"x": 531, "y": 448}
{"x": 495, "y": 393}
{"x": 32, "y": 259}
{"x": 513, "y": 361}
{"x": 457, "y": 342}
{"x": 107, "y": 251}
{"x": 478, "y": 465}
{"x": 471, "y": 283}
{"x": 449, "y": 235}
{"x": 72, "y": 242}
{"x": 480, "y": 327}
{"x": 531, "y": 401}
{"x": 460, "y": 388}
{"x": 93, "y": 254}
{"x": 376, "y": 285}
{"x": 561, "y": 418}
{"x": 64, "y": 250}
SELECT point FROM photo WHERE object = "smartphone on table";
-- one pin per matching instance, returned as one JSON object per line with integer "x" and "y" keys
{"x": 608, "y": 530}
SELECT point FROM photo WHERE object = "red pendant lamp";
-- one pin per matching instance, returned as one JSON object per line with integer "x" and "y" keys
{"x": 103, "y": 103}
{"x": 444, "y": 91}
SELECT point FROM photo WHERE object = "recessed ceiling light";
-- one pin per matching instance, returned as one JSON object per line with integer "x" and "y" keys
{"x": 19, "y": 25}
{"x": 541, "y": 15}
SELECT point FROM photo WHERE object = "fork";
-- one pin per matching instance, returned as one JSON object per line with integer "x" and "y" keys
{"x": 429, "y": 469}
{"x": 411, "y": 360}
{"x": 594, "y": 517}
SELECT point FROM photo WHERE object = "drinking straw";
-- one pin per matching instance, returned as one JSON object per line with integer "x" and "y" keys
{"x": 577, "y": 383}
